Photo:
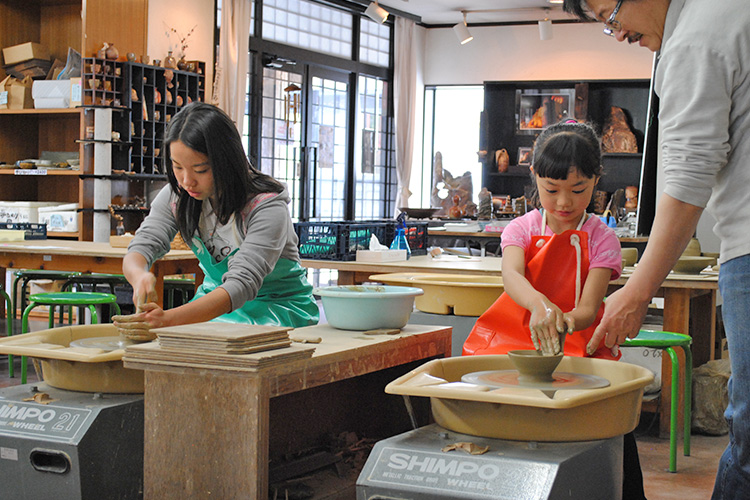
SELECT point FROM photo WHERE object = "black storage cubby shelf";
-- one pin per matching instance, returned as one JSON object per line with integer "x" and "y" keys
{"x": 592, "y": 103}
{"x": 103, "y": 82}
{"x": 156, "y": 95}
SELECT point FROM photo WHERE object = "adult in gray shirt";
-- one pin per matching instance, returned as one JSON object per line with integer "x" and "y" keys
{"x": 234, "y": 218}
{"x": 703, "y": 82}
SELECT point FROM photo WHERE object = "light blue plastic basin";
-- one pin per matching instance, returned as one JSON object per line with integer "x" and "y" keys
{"x": 367, "y": 307}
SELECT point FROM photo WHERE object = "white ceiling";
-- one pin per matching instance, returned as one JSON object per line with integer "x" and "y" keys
{"x": 448, "y": 12}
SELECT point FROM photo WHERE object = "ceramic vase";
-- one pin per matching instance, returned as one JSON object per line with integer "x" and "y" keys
{"x": 170, "y": 61}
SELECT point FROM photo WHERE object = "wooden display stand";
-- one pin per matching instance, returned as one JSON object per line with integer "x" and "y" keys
{"x": 207, "y": 430}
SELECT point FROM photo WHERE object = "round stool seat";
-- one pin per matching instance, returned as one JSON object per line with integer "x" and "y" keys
{"x": 659, "y": 340}
{"x": 25, "y": 275}
{"x": 73, "y": 298}
{"x": 39, "y": 274}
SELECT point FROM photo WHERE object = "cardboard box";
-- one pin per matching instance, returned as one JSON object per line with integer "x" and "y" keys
{"x": 120, "y": 241}
{"x": 16, "y": 94}
{"x": 51, "y": 93}
{"x": 75, "y": 92}
{"x": 35, "y": 68}
{"x": 24, "y": 52}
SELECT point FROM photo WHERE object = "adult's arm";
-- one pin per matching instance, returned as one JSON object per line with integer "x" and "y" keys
{"x": 624, "y": 310}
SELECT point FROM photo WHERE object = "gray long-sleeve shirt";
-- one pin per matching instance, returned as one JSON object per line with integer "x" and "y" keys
{"x": 703, "y": 82}
{"x": 268, "y": 236}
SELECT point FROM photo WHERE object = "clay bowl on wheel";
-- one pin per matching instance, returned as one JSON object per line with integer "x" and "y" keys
{"x": 532, "y": 366}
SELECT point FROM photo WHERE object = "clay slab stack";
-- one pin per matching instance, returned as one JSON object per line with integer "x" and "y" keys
{"x": 217, "y": 345}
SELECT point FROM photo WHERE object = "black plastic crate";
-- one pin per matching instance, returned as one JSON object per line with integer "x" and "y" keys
{"x": 416, "y": 236}
{"x": 32, "y": 230}
{"x": 327, "y": 240}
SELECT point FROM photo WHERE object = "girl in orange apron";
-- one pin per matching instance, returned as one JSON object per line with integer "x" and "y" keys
{"x": 557, "y": 264}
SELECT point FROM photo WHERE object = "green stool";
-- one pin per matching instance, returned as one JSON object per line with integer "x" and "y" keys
{"x": 62, "y": 299}
{"x": 668, "y": 341}
{"x": 8, "y": 324}
{"x": 183, "y": 286}
{"x": 75, "y": 284}
{"x": 23, "y": 276}
{"x": 94, "y": 279}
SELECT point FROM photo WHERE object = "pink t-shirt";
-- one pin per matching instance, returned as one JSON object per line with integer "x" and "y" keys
{"x": 604, "y": 247}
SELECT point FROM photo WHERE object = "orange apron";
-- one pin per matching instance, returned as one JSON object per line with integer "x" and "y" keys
{"x": 557, "y": 266}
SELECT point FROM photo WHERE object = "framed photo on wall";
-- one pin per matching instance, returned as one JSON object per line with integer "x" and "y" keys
{"x": 524, "y": 156}
{"x": 537, "y": 109}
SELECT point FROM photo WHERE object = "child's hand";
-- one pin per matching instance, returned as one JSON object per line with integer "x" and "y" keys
{"x": 547, "y": 322}
{"x": 144, "y": 290}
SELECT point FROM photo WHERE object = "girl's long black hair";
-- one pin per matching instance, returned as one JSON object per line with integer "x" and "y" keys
{"x": 208, "y": 130}
{"x": 564, "y": 145}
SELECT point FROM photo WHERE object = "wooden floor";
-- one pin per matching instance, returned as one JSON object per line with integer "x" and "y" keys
{"x": 693, "y": 480}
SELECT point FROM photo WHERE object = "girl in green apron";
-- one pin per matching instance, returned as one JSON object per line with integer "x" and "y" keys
{"x": 237, "y": 223}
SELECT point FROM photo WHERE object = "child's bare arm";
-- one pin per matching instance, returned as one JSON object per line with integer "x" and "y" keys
{"x": 546, "y": 321}
{"x": 591, "y": 298}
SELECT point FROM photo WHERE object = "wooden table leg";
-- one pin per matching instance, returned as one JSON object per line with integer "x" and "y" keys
{"x": 191, "y": 415}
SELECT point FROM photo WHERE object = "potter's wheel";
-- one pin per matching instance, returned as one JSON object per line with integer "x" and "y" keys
{"x": 105, "y": 343}
{"x": 560, "y": 380}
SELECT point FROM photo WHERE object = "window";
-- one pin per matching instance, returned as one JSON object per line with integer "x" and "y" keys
{"x": 451, "y": 127}
{"x": 308, "y": 25}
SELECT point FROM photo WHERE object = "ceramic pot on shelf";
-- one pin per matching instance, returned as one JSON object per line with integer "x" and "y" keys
{"x": 170, "y": 61}
{"x": 182, "y": 64}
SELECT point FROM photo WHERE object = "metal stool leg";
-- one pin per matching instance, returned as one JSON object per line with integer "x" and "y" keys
{"x": 674, "y": 403}
{"x": 9, "y": 316}
{"x": 25, "y": 329}
{"x": 688, "y": 399}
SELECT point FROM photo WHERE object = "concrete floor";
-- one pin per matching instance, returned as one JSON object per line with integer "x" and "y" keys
{"x": 693, "y": 480}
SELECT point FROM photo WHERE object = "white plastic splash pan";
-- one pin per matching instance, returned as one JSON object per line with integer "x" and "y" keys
{"x": 529, "y": 414}
{"x": 81, "y": 369}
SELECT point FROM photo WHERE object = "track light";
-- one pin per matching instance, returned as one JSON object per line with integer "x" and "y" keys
{"x": 376, "y": 12}
{"x": 545, "y": 28}
{"x": 462, "y": 32}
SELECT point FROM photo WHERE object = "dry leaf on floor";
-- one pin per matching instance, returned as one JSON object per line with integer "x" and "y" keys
{"x": 41, "y": 398}
{"x": 469, "y": 448}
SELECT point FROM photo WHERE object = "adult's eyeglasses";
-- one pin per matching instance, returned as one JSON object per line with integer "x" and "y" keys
{"x": 611, "y": 24}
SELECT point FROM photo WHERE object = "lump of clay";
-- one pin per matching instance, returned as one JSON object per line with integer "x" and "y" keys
{"x": 617, "y": 136}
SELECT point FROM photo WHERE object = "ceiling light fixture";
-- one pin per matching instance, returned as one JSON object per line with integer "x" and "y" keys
{"x": 462, "y": 31}
{"x": 545, "y": 27}
{"x": 555, "y": 1}
{"x": 376, "y": 12}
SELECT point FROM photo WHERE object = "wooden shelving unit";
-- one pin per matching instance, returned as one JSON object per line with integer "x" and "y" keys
{"x": 592, "y": 102}
{"x": 26, "y": 133}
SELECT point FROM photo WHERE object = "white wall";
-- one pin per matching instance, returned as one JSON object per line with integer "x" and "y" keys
{"x": 577, "y": 52}
{"x": 182, "y": 15}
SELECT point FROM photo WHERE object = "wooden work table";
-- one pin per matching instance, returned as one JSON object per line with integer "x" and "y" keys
{"x": 207, "y": 429}
{"x": 89, "y": 257}
{"x": 353, "y": 272}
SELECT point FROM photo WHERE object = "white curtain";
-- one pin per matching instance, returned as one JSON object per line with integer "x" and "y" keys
{"x": 230, "y": 77}
{"x": 405, "y": 77}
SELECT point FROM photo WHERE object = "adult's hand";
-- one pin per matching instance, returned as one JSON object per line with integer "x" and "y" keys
{"x": 623, "y": 317}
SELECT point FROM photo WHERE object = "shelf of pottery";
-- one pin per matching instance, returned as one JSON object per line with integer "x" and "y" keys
{"x": 143, "y": 99}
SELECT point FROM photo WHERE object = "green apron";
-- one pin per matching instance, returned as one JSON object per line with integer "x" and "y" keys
{"x": 285, "y": 297}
